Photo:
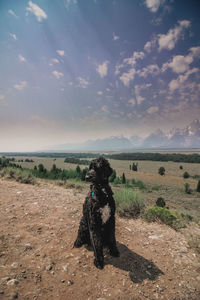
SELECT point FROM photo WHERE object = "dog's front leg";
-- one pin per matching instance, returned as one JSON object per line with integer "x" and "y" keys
{"x": 96, "y": 239}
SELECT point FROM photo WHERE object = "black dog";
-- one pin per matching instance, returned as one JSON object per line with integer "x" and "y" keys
{"x": 97, "y": 226}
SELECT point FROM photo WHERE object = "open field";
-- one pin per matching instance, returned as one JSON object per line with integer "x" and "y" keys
{"x": 170, "y": 186}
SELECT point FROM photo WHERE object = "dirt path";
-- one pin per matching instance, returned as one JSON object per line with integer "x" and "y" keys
{"x": 38, "y": 225}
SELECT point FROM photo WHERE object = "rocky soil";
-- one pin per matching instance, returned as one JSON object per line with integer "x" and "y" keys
{"x": 38, "y": 225}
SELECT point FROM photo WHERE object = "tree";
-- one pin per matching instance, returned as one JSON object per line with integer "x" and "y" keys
{"x": 41, "y": 168}
{"x": 83, "y": 173}
{"x": 54, "y": 169}
{"x": 198, "y": 186}
{"x": 113, "y": 176}
{"x": 188, "y": 189}
{"x": 161, "y": 171}
{"x": 134, "y": 167}
{"x": 123, "y": 179}
{"x": 78, "y": 169}
{"x": 186, "y": 175}
{"x": 160, "y": 202}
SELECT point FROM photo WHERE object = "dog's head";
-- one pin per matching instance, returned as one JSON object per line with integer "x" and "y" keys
{"x": 99, "y": 171}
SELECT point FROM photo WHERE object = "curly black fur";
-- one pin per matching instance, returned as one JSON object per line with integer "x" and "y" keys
{"x": 97, "y": 225}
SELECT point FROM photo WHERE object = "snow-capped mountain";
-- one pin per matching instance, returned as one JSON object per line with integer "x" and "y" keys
{"x": 188, "y": 137}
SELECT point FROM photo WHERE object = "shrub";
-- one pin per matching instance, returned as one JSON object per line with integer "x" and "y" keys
{"x": 161, "y": 171}
{"x": 117, "y": 181}
{"x": 112, "y": 176}
{"x": 181, "y": 167}
{"x": 155, "y": 188}
{"x": 128, "y": 204}
{"x": 123, "y": 179}
{"x": 186, "y": 175}
{"x": 164, "y": 215}
{"x": 134, "y": 167}
{"x": 160, "y": 202}
{"x": 198, "y": 186}
{"x": 188, "y": 189}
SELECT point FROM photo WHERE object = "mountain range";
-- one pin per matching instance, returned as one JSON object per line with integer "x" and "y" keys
{"x": 189, "y": 137}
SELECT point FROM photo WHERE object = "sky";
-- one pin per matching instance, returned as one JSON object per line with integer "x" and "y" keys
{"x": 73, "y": 70}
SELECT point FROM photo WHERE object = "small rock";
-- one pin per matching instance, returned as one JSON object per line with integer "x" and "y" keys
{"x": 101, "y": 299}
{"x": 70, "y": 282}
{"x": 12, "y": 282}
{"x": 27, "y": 247}
{"x": 14, "y": 296}
{"x": 15, "y": 265}
{"x": 49, "y": 268}
{"x": 5, "y": 279}
{"x": 1, "y": 292}
{"x": 63, "y": 281}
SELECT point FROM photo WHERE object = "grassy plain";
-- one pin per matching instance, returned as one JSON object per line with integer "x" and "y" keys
{"x": 170, "y": 186}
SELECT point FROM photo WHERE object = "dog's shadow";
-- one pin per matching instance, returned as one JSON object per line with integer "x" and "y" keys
{"x": 139, "y": 268}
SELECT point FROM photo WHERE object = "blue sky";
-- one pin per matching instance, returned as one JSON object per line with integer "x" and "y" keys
{"x": 73, "y": 70}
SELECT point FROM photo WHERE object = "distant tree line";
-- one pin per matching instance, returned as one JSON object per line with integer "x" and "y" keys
{"x": 175, "y": 157}
{"x": 59, "y": 174}
{"x": 73, "y": 160}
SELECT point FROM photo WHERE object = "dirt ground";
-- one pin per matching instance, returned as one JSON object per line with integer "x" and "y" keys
{"x": 38, "y": 225}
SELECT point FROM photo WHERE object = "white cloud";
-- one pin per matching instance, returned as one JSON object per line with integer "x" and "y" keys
{"x": 168, "y": 41}
{"x": 115, "y": 37}
{"x": 153, "y": 5}
{"x": 138, "y": 89}
{"x": 13, "y": 36}
{"x": 2, "y": 97}
{"x": 105, "y": 109}
{"x": 128, "y": 76}
{"x": 53, "y": 61}
{"x": 37, "y": 11}
{"x": 99, "y": 93}
{"x": 67, "y": 3}
{"x": 102, "y": 69}
{"x": 21, "y": 58}
{"x": 195, "y": 51}
{"x": 181, "y": 79}
{"x": 179, "y": 63}
{"x": 153, "y": 109}
{"x": 60, "y": 52}
{"x": 57, "y": 74}
{"x": 20, "y": 86}
{"x": 83, "y": 83}
{"x": 151, "y": 69}
{"x": 11, "y": 12}
{"x": 132, "y": 60}
{"x": 132, "y": 102}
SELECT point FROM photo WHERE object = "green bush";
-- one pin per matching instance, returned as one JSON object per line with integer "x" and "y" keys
{"x": 163, "y": 215}
{"x": 198, "y": 186}
{"x": 123, "y": 178}
{"x": 188, "y": 189}
{"x": 160, "y": 202}
{"x": 186, "y": 175}
{"x": 117, "y": 181}
{"x": 128, "y": 204}
{"x": 155, "y": 188}
{"x": 112, "y": 176}
{"x": 161, "y": 171}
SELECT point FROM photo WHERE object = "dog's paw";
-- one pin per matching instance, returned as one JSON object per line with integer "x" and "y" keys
{"x": 114, "y": 252}
{"x": 78, "y": 244}
{"x": 98, "y": 264}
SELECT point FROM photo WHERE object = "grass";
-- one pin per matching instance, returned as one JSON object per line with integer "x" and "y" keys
{"x": 128, "y": 203}
{"x": 165, "y": 216}
{"x": 22, "y": 176}
{"x": 194, "y": 243}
